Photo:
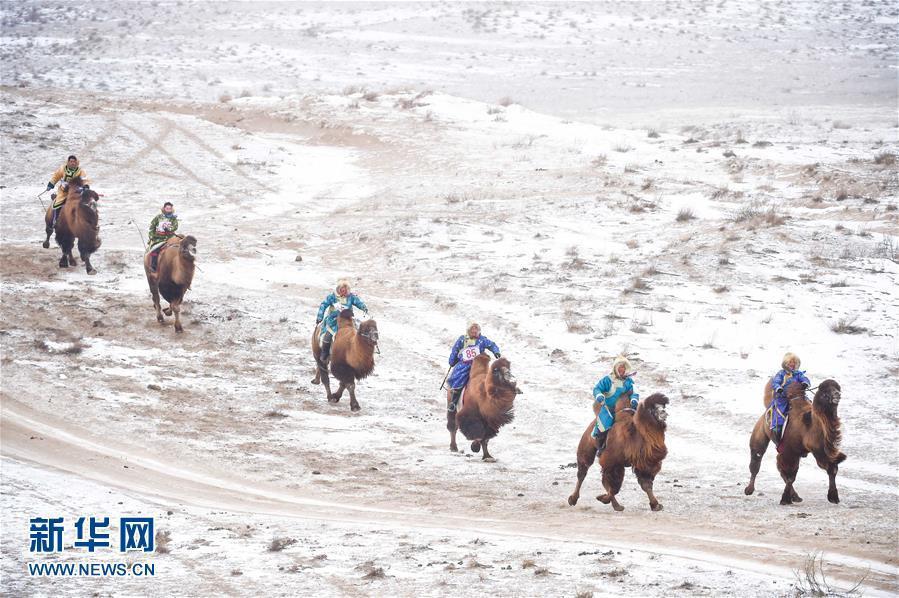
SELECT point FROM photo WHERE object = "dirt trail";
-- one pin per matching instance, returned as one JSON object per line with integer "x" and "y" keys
{"x": 49, "y": 442}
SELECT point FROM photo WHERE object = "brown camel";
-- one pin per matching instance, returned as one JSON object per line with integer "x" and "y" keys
{"x": 487, "y": 404}
{"x": 78, "y": 219}
{"x": 173, "y": 276}
{"x": 352, "y": 356}
{"x": 813, "y": 427}
{"x": 637, "y": 439}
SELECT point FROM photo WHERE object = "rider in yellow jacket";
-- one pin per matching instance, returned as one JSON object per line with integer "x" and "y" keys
{"x": 65, "y": 173}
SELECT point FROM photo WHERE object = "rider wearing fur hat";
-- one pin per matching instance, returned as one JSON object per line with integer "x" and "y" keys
{"x": 328, "y": 311}
{"x": 607, "y": 392}
{"x": 780, "y": 406}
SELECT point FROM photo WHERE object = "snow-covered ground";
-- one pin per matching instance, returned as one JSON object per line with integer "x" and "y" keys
{"x": 701, "y": 186}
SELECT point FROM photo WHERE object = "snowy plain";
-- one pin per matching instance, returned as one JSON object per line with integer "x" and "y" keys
{"x": 702, "y": 186}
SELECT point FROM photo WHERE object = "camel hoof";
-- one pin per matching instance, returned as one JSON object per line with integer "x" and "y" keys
{"x": 355, "y": 408}
{"x": 167, "y": 311}
{"x": 785, "y": 501}
{"x": 46, "y": 244}
{"x": 179, "y": 329}
{"x": 91, "y": 271}
{"x": 618, "y": 508}
{"x": 655, "y": 507}
{"x": 315, "y": 381}
{"x": 604, "y": 499}
{"x": 63, "y": 263}
{"x": 748, "y": 490}
{"x": 797, "y": 499}
{"x": 454, "y": 448}
{"x": 475, "y": 447}
{"x": 833, "y": 497}
{"x": 572, "y": 500}
{"x": 333, "y": 399}
{"x": 160, "y": 319}
{"x": 488, "y": 460}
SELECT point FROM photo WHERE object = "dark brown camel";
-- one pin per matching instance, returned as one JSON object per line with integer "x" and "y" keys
{"x": 637, "y": 439}
{"x": 487, "y": 404}
{"x": 813, "y": 427}
{"x": 78, "y": 219}
{"x": 352, "y": 356}
{"x": 173, "y": 276}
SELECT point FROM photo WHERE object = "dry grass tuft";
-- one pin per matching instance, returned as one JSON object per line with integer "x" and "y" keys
{"x": 599, "y": 160}
{"x": 279, "y": 544}
{"x": 811, "y": 581}
{"x": 847, "y": 326}
{"x": 162, "y": 540}
{"x": 685, "y": 215}
{"x": 885, "y": 158}
{"x": 375, "y": 573}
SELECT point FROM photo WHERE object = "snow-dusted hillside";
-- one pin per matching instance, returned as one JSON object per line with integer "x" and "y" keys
{"x": 702, "y": 187}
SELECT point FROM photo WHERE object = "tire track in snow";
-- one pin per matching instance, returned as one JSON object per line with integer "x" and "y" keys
{"x": 42, "y": 439}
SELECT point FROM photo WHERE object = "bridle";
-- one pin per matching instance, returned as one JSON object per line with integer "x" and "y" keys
{"x": 370, "y": 339}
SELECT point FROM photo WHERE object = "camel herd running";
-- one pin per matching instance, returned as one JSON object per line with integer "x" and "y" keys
{"x": 636, "y": 440}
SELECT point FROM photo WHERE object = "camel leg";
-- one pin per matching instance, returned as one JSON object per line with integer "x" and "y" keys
{"x": 788, "y": 467}
{"x": 451, "y": 424}
{"x": 49, "y": 231}
{"x": 335, "y": 397}
{"x": 832, "y": 494}
{"x": 72, "y": 261}
{"x": 452, "y": 427}
{"x": 176, "y": 309}
{"x": 582, "y": 469}
{"x": 758, "y": 444}
{"x": 326, "y": 381}
{"x": 611, "y": 481}
{"x": 85, "y": 254}
{"x": 66, "y": 246}
{"x": 354, "y": 404}
{"x": 645, "y": 481}
{"x": 586, "y": 456}
{"x": 487, "y": 457}
{"x": 318, "y": 374}
{"x": 154, "y": 291}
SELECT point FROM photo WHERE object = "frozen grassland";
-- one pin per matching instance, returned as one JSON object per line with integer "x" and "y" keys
{"x": 703, "y": 186}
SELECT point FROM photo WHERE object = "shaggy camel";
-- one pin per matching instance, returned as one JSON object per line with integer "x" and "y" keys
{"x": 487, "y": 404}
{"x": 352, "y": 356}
{"x": 173, "y": 276}
{"x": 636, "y": 440}
{"x": 78, "y": 218}
{"x": 813, "y": 427}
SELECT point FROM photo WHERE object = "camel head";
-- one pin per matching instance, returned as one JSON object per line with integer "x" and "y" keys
{"x": 654, "y": 406}
{"x": 369, "y": 331}
{"x": 501, "y": 372}
{"x": 828, "y": 396}
{"x": 189, "y": 248}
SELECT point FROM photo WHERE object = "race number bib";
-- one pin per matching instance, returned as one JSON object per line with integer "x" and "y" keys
{"x": 469, "y": 353}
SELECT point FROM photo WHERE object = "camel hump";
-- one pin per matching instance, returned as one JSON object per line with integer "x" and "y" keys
{"x": 768, "y": 394}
